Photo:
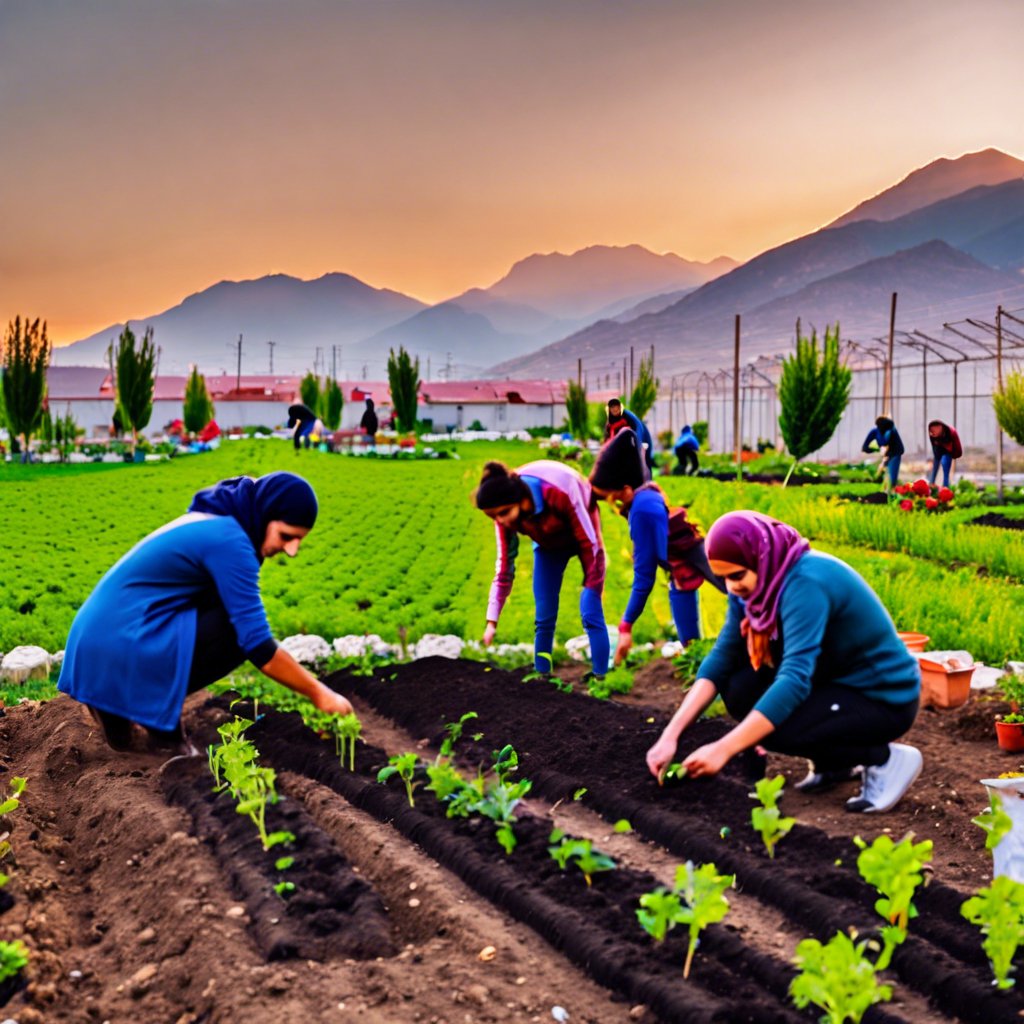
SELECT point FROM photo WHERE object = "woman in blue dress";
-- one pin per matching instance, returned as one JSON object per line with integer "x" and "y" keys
{"x": 182, "y": 609}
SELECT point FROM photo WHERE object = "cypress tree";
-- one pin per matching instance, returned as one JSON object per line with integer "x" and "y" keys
{"x": 577, "y": 410}
{"x": 134, "y": 379}
{"x": 645, "y": 390}
{"x": 813, "y": 393}
{"x": 198, "y": 410}
{"x": 404, "y": 382}
{"x": 309, "y": 392}
{"x": 26, "y": 355}
{"x": 332, "y": 401}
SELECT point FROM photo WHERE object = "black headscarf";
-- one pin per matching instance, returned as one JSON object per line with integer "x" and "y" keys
{"x": 256, "y": 502}
{"x": 619, "y": 464}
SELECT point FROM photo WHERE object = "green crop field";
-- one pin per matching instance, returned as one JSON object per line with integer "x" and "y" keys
{"x": 400, "y": 545}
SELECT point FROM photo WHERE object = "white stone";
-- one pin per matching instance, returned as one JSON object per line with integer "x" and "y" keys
{"x": 672, "y": 649}
{"x": 437, "y": 645}
{"x": 308, "y": 649}
{"x": 23, "y": 663}
{"x": 354, "y": 646}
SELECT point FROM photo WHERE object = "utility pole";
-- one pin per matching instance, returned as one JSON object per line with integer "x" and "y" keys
{"x": 334, "y": 362}
{"x": 579, "y": 373}
{"x": 270, "y": 345}
{"x": 631, "y": 378}
{"x": 887, "y": 409}
{"x": 238, "y": 374}
{"x": 428, "y": 367}
{"x": 999, "y": 387}
{"x": 316, "y": 361}
{"x": 736, "y": 401}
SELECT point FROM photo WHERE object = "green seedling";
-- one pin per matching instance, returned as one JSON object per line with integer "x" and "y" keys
{"x": 13, "y": 957}
{"x": 579, "y": 794}
{"x": 347, "y": 730}
{"x": 16, "y": 788}
{"x": 659, "y": 913}
{"x": 767, "y": 819}
{"x": 622, "y": 825}
{"x": 703, "y": 893}
{"x": 445, "y": 780}
{"x": 581, "y": 852}
{"x": 284, "y": 889}
{"x": 895, "y": 870}
{"x": 499, "y": 803}
{"x": 283, "y": 863}
{"x": 618, "y": 680}
{"x": 454, "y": 731}
{"x": 999, "y": 912}
{"x": 674, "y": 771}
{"x": 995, "y": 821}
{"x": 277, "y": 838}
{"x": 506, "y": 761}
{"x": 404, "y": 766}
{"x": 838, "y": 978}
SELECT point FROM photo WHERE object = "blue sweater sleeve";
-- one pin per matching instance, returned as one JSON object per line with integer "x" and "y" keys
{"x": 649, "y": 532}
{"x": 236, "y": 572}
{"x": 730, "y": 647}
{"x": 804, "y": 610}
{"x": 872, "y": 437}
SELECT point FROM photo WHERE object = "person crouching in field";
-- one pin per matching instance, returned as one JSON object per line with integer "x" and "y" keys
{"x": 808, "y": 662}
{"x": 182, "y": 609}
{"x": 555, "y": 507}
{"x": 946, "y": 449}
{"x": 661, "y": 536}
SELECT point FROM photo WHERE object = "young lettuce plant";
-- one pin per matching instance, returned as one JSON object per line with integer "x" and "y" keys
{"x": 9, "y": 806}
{"x": 767, "y": 819}
{"x": 995, "y": 821}
{"x": 454, "y": 731}
{"x": 999, "y": 911}
{"x": 895, "y": 870}
{"x": 698, "y": 900}
{"x": 13, "y": 957}
{"x": 838, "y": 978}
{"x": 581, "y": 852}
{"x": 404, "y": 766}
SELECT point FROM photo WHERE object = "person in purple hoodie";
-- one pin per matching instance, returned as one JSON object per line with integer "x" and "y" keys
{"x": 808, "y": 663}
{"x": 555, "y": 507}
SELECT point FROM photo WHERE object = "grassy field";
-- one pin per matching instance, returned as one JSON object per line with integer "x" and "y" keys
{"x": 400, "y": 545}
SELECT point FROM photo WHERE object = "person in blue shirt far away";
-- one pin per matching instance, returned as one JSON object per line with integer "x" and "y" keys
{"x": 686, "y": 447}
{"x": 182, "y": 609}
{"x": 661, "y": 536}
{"x": 885, "y": 437}
{"x": 808, "y": 663}
{"x": 622, "y": 419}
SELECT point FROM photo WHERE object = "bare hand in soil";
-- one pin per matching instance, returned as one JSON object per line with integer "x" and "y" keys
{"x": 660, "y": 756}
{"x": 624, "y": 646}
{"x": 325, "y": 699}
{"x": 707, "y": 760}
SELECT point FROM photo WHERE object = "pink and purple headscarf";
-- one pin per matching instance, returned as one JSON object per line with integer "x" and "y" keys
{"x": 765, "y": 546}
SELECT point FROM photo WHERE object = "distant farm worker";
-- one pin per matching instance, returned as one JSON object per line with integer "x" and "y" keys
{"x": 303, "y": 419}
{"x": 686, "y": 447}
{"x": 620, "y": 418}
{"x": 808, "y": 663}
{"x": 885, "y": 438}
{"x": 182, "y": 609}
{"x": 946, "y": 449}
{"x": 369, "y": 424}
{"x": 555, "y": 507}
{"x": 661, "y": 536}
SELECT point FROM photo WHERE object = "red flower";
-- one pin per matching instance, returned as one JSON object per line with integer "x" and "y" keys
{"x": 945, "y": 494}
{"x": 906, "y": 504}
{"x": 922, "y": 487}
{"x": 902, "y": 488}
{"x": 930, "y": 503}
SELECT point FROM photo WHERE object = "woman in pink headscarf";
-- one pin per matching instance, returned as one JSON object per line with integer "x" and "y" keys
{"x": 808, "y": 663}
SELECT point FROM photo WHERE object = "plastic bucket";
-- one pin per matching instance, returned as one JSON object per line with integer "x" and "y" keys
{"x": 914, "y": 641}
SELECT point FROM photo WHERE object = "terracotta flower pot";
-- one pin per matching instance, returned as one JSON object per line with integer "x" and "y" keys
{"x": 915, "y": 641}
{"x": 942, "y": 687}
{"x": 1010, "y": 736}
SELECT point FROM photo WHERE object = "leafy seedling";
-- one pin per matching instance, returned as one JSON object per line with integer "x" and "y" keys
{"x": 284, "y": 889}
{"x": 999, "y": 912}
{"x": 674, "y": 772}
{"x": 622, "y": 825}
{"x": 579, "y": 794}
{"x": 13, "y": 801}
{"x": 659, "y": 913}
{"x": 283, "y": 863}
{"x": 580, "y": 852}
{"x": 617, "y": 680}
{"x": 454, "y": 731}
{"x": 404, "y": 766}
{"x": 767, "y": 819}
{"x": 703, "y": 893}
{"x": 838, "y": 978}
{"x": 13, "y": 957}
{"x": 444, "y": 780}
{"x": 995, "y": 821}
{"x": 347, "y": 730}
{"x": 895, "y": 870}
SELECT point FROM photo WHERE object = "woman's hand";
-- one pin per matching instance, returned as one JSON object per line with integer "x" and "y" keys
{"x": 707, "y": 760}
{"x": 489, "y": 632}
{"x": 659, "y": 757}
{"x": 625, "y": 644}
{"x": 325, "y": 699}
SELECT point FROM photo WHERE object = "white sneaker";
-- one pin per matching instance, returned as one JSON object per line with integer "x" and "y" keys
{"x": 885, "y": 784}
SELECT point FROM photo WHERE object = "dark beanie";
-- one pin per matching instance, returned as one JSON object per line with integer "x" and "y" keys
{"x": 619, "y": 464}
{"x": 498, "y": 487}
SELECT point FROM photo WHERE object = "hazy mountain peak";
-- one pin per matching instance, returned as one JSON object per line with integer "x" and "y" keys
{"x": 937, "y": 180}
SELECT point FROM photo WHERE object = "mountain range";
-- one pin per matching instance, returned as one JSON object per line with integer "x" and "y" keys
{"x": 949, "y": 238}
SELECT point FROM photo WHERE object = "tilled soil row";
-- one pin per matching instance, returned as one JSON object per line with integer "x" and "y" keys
{"x": 331, "y": 913}
{"x": 601, "y": 746}
{"x": 595, "y": 926}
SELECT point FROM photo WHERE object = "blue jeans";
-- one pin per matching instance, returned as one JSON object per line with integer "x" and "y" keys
{"x": 548, "y": 570}
{"x": 946, "y": 461}
{"x": 685, "y": 613}
{"x": 892, "y": 467}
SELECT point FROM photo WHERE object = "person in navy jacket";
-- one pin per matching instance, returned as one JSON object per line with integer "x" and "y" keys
{"x": 182, "y": 609}
{"x": 662, "y": 537}
{"x": 553, "y": 506}
{"x": 620, "y": 418}
{"x": 808, "y": 663}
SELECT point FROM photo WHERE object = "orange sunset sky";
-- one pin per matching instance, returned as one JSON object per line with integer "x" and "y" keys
{"x": 154, "y": 147}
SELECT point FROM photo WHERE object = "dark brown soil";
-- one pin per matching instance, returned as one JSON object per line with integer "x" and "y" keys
{"x": 997, "y": 519}
{"x": 135, "y": 910}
